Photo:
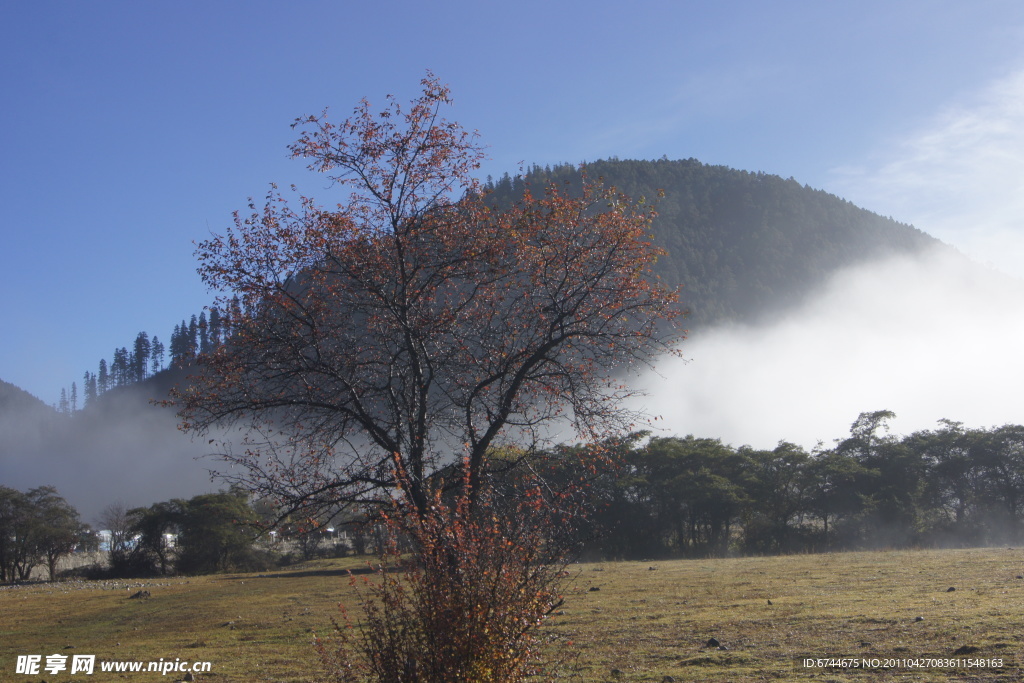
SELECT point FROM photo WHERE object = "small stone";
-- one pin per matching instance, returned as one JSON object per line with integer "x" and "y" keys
{"x": 594, "y": 588}
{"x": 918, "y": 618}
{"x": 951, "y": 589}
{"x": 712, "y": 642}
{"x": 770, "y": 602}
{"x": 668, "y": 679}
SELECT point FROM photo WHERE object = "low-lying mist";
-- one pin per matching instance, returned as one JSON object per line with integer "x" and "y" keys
{"x": 123, "y": 449}
{"x": 929, "y": 337}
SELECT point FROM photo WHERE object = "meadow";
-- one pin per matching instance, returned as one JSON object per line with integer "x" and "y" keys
{"x": 629, "y": 621}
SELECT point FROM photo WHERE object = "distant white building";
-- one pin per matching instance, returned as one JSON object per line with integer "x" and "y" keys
{"x": 105, "y": 536}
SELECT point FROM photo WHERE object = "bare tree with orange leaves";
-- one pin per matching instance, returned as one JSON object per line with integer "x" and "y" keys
{"x": 416, "y": 321}
{"x": 394, "y": 342}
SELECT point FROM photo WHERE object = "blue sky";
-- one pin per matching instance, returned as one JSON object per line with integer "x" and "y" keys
{"x": 129, "y": 130}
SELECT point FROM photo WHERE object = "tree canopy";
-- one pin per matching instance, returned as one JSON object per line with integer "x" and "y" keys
{"x": 36, "y": 527}
{"x": 416, "y": 326}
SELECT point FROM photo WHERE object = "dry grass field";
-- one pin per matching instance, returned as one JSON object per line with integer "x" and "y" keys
{"x": 646, "y": 621}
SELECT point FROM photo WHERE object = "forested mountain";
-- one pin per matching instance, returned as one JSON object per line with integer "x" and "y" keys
{"x": 743, "y": 245}
{"x": 23, "y": 417}
{"x": 14, "y": 398}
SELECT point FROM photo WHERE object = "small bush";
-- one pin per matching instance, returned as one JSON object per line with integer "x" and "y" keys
{"x": 468, "y": 604}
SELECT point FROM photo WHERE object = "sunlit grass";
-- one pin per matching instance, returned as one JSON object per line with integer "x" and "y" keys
{"x": 647, "y": 621}
{"x": 652, "y": 620}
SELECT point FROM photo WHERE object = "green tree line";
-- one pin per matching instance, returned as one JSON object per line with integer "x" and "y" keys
{"x": 689, "y": 496}
{"x": 37, "y": 528}
{"x": 651, "y": 498}
{"x": 210, "y": 532}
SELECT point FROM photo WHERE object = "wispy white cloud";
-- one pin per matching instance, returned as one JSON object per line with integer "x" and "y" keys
{"x": 960, "y": 176}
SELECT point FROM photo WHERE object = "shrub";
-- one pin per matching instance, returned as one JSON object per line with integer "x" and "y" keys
{"x": 467, "y": 606}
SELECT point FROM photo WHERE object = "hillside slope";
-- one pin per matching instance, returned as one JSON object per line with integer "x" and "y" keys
{"x": 743, "y": 245}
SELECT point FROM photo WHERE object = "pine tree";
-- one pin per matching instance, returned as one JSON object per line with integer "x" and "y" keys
{"x": 182, "y": 344}
{"x": 140, "y": 356}
{"x": 204, "y": 334}
{"x": 215, "y": 323}
{"x": 175, "y": 345}
{"x": 193, "y": 337}
{"x": 157, "y": 355}
{"x": 119, "y": 369}
{"x": 233, "y": 315}
{"x": 103, "y": 378}
{"x": 89, "y": 387}
{"x": 63, "y": 405}
{"x": 73, "y": 400}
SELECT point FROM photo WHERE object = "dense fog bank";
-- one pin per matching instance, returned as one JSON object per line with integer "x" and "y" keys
{"x": 928, "y": 337}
